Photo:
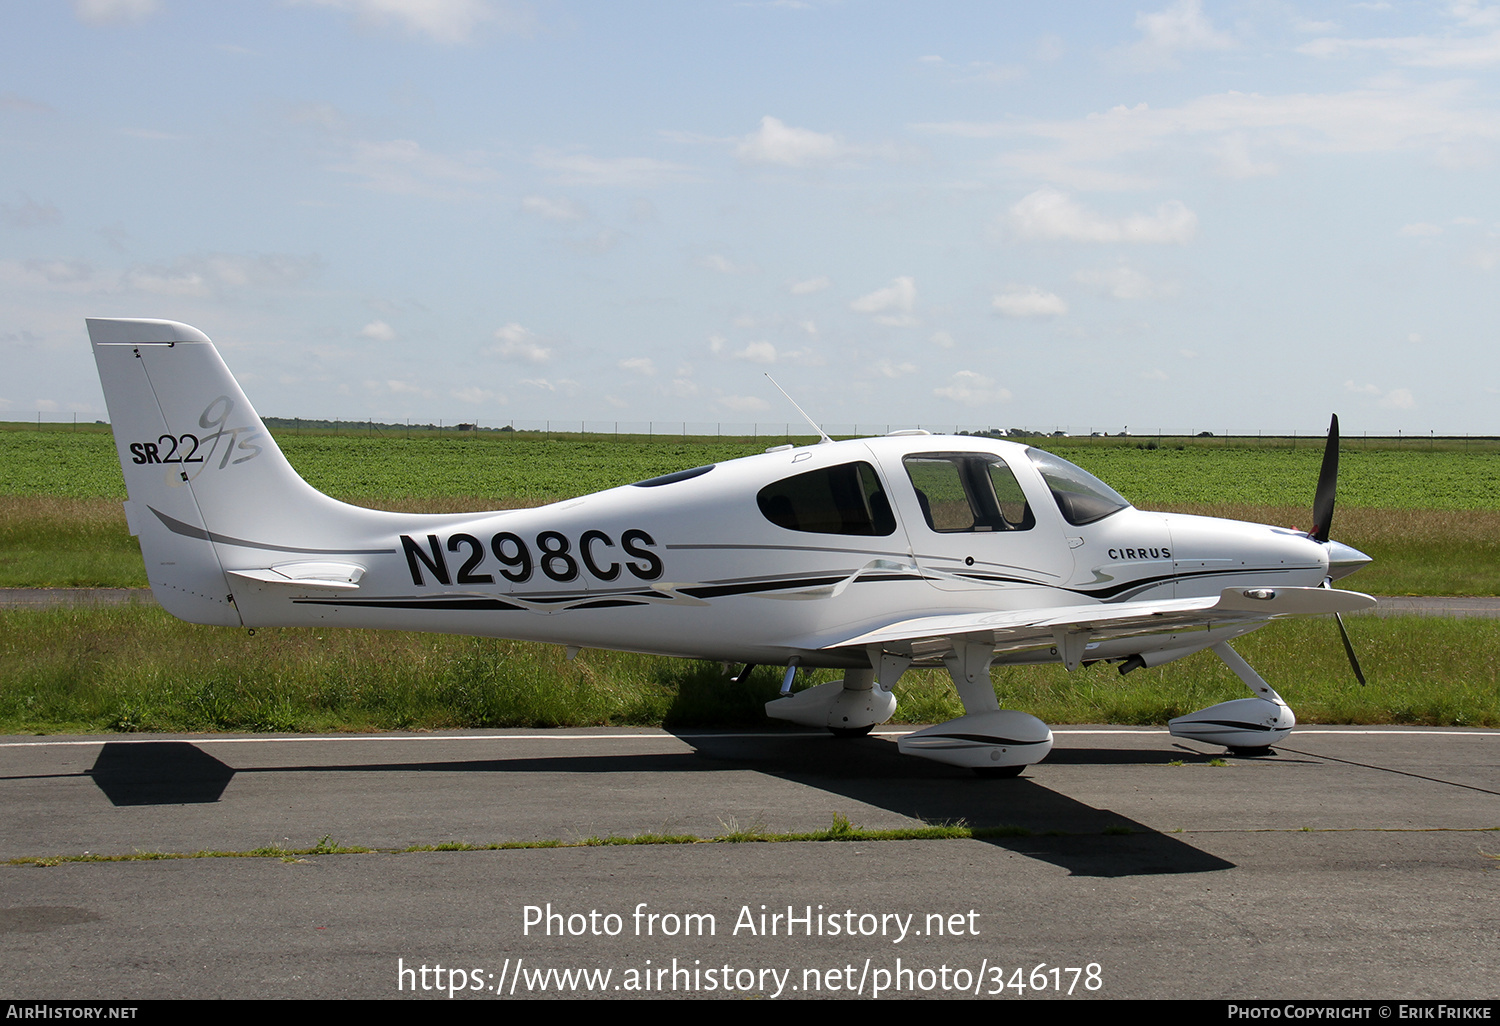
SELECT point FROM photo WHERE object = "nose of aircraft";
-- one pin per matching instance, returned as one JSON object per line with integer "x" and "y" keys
{"x": 1343, "y": 559}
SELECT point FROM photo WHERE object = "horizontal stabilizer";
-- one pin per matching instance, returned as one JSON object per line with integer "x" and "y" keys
{"x": 336, "y": 576}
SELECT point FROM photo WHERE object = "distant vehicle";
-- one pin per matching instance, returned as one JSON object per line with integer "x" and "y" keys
{"x": 872, "y": 556}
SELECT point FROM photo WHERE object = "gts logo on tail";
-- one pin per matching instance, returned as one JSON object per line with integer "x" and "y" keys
{"x": 185, "y": 447}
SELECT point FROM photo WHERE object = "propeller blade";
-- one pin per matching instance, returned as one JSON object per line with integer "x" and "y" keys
{"x": 1349, "y": 648}
{"x": 1328, "y": 485}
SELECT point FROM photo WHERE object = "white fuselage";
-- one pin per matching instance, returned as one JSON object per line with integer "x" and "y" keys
{"x": 696, "y": 567}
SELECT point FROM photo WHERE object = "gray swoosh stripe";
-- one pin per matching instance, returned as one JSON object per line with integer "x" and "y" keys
{"x": 189, "y": 531}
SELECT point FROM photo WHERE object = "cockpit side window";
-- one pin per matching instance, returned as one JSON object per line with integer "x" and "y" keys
{"x": 961, "y": 492}
{"x": 846, "y": 499}
{"x": 1081, "y": 496}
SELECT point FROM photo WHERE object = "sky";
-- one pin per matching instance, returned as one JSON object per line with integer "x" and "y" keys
{"x": 1180, "y": 216}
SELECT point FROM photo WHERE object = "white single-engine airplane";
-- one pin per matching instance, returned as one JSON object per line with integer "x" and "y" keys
{"x": 870, "y": 555}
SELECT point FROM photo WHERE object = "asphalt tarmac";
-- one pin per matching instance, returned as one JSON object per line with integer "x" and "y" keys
{"x": 1352, "y": 863}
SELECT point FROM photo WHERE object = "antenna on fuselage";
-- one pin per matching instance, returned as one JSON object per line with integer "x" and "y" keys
{"x": 822, "y": 435}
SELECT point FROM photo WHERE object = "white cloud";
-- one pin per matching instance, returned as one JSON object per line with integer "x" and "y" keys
{"x": 1446, "y": 51}
{"x": 601, "y": 241}
{"x": 21, "y": 105}
{"x": 811, "y": 285}
{"x": 972, "y": 389}
{"x": 1124, "y": 283}
{"x": 778, "y": 143}
{"x": 632, "y": 172}
{"x": 1444, "y": 119}
{"x": 30, "y": 214}
{"x": 722, "y": 264}
{"x": 403, "y": 167}
{"x": 942, "y": 339}
{"x": 106, "y": 12}
{"x": 1179, "y": 27}
{"x": 764, "y": 352}
{"x": 886, "y": 368}
{"x": 1419, "y": 229}
{"x": 443, "y": 21}
{"x": 757, "y": 352}
{"x": 639, "y": 365}
{"x": 166, "y": 283}
{"x": 743, "y": 403}
{"x": 476, "y": 396}
{"x": 892, "y": 304}
{"x": 553, "y": 209}
{"x": 73, "y": 276}
{"x": 562, "y": 386}
{"x": 379, "y": 331}
{"x": 206, "y": 275}
{"x": 518, "y": 343}
{"x": 1155, "y": 374}
{"x": 1029, "y": 301}
{"x": 1395, "y": 399}
{"x": 395, "y": 386}
{"x": 213, "y": 274}
{"x": 1236, "y": 160}
{"x": 1050, "y": 214}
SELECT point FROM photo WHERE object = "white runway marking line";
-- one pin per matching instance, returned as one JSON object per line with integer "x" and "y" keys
{"x": 380, "y": 738}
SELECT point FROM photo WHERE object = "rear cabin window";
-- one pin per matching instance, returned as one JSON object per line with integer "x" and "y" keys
{"x": 846, "y": 499}
{"x": 968, "y": 492}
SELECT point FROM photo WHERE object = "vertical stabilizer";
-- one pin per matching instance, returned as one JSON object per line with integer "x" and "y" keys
{"x": 203, "y": 474}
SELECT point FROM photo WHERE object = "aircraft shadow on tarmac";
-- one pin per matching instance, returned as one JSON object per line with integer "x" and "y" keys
{"x": 1036, "y": 821}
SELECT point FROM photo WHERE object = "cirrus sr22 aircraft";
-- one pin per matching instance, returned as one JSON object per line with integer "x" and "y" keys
{"x": 871, "y": 555}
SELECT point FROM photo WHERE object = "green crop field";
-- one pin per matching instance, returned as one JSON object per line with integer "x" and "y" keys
{"x": 1430, "y": 517}
{"x": 507, "y": 467}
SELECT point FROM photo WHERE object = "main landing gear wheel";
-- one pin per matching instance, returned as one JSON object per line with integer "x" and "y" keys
{"x": 998, "y": 772}
{"x": 847, "y": 732}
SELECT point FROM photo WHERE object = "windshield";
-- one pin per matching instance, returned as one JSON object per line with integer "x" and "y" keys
{"x": 1081, "y": 496}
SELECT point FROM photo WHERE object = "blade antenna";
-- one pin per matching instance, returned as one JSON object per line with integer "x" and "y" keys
{"x": 822, "y": 436}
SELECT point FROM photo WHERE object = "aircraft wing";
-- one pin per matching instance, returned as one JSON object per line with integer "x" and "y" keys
{"x": 1014, "y": 629}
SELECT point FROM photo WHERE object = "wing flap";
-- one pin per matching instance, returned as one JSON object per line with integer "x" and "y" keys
{"x": 1232, "y": 604}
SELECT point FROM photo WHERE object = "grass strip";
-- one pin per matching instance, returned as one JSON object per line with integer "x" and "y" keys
{"x": 136, "y": 669}
{"x": 839, "y": 830}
